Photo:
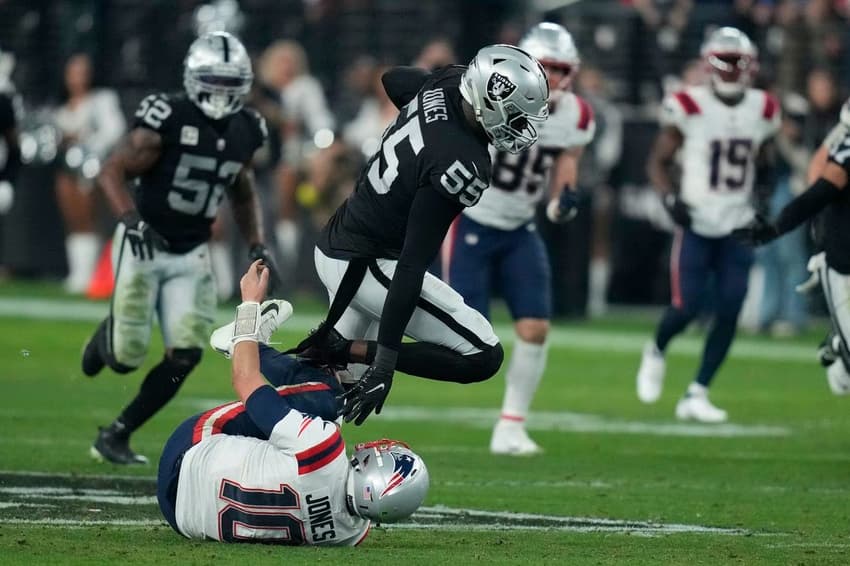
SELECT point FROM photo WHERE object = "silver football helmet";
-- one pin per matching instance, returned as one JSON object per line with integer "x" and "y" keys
{"x": 387, "y": 481}
{"x": 217, "y": 74}
{"x": 508, "y": 91}
{"x": 732, "y": 60}
{"x": 553, "y": 46}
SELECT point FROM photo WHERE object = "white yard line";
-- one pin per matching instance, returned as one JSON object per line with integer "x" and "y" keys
{"x": 574, "y": 337}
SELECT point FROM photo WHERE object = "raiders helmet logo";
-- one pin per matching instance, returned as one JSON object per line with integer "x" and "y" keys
{"x": 499, "y": 87}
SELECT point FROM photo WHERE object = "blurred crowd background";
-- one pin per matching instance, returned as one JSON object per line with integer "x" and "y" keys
{"x": 79, "y": 68}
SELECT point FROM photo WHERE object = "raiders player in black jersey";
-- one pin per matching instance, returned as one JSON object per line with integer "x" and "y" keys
{"x": 10, "y": 152}
{"x": 186, "y": 151}
{"x": 373, "y": 253}
{"x": 830, "y": 193}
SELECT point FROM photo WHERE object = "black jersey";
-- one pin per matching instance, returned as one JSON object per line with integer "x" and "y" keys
{"x": 430, "y": 146}
{"x": 200, "y": 158}
{"x": 836, "y": 217}
{"x": 9, "y": 158}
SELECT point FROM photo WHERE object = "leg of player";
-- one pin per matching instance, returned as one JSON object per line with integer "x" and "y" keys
{"x": 732, "y": 267}
{"x": 525, "y": 284}
{"x": 836, "y": 288}
{"x": 689, "y": 269}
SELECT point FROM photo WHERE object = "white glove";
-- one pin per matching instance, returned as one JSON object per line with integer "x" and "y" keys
{"x": 7, "y": 196}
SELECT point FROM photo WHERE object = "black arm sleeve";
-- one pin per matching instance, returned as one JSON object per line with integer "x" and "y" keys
{"x": 7, "y": 130}
{"x": 402, "y": 83}
{"x": 806, "y": 205}
{"x": 430, "y": 217}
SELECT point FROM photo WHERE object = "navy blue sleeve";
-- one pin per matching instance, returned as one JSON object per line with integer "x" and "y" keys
{"x": 266, "y": 408}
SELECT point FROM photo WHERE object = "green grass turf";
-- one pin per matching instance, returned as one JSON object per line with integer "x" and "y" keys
{"x": 789, "y": 495}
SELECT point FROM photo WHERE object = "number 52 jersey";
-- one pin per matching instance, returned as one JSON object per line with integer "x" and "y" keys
{"x": 200, "y": 158}
{"x": 721, "y": 143}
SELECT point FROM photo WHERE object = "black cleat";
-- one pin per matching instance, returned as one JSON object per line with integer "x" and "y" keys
{"x": 331, "y": 350}
{"x": 93, "y": 361}
{"x": 114, "y": 448}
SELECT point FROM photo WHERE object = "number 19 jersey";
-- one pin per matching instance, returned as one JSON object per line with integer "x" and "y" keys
{"x": 200, "y": 158}
{"x": 721, "y": 143}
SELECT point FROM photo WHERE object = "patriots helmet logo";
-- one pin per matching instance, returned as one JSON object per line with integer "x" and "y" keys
{"x": 499, "y": 87}
{"x": 401, "y": 470}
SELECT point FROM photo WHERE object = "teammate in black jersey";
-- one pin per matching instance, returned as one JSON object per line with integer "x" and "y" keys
{"x": 10, "y": 152}
{"x": 373, "y": 253}
{"x": 830, "y": 193}
{"x": 186, "y": 151}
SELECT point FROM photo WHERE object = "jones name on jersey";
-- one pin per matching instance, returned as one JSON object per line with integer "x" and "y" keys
{"x": 520, "y": 179}
{"x": 239, "y": 483}
{"x": 427, "y": 147}
{"x": 721, "y": 143}
{"x": 200, "y": 158}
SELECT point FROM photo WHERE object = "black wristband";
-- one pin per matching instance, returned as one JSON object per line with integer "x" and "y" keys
{"x": 385, "y": 359}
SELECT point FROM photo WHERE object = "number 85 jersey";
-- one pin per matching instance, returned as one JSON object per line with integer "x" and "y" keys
{"x": 200, "y": 158}
{"x": 721, "y": 143}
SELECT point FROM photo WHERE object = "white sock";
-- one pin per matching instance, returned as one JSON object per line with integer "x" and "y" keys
{"x": 524, "y": 373}
{"x": 599, "y": 272}
{"x": 286, "y": 234}
{"x": 697, "y": 390}
{"x": 222, "y": 269}
{"x": 82, "y": 250}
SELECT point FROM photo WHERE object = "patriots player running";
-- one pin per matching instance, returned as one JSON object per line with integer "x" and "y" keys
{"x": 186, "y": 151}
{"x": 272, "y": 467}
{"x": 498, "y": 237}
{"x": 374, "y": 252}
{"x": 719, "y": 129}
{"x": 829, "y": 193}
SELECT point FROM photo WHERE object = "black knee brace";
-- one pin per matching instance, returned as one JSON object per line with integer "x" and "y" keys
{"x": 485, "y": 364}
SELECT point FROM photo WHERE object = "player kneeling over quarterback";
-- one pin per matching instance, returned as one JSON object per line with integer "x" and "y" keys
{"x": 272, "y": 467}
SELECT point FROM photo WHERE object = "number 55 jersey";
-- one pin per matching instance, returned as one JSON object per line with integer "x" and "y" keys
{"x": 721, "y": 143}
{"x": 200, "y": 158}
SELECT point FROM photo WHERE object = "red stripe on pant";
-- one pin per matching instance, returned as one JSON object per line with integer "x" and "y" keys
{"x": 675, "y": 278}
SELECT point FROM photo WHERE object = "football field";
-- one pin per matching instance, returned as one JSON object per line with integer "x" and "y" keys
{"x": 619, "y": 483}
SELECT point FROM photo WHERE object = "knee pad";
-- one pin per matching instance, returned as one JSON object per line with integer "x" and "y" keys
{"x": 485, "y": 364}
{"x": 117, "y": 366}
{"x": 183, "y": 360}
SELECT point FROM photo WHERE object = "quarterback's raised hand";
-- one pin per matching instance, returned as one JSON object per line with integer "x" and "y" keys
{"x": 758, "y": 232}
{"x": 564, "y": 208}
{"x": 142, "y": 238}
{"x": 371, "y": 391}
{"x": 261, "y": 252}
{"x": 678, "y": 210}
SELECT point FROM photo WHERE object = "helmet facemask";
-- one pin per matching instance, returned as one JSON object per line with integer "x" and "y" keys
{"x": 731, "y": 72}
{"x": 217, "y": 95}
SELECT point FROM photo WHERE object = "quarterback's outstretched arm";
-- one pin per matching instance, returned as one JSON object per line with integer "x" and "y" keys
{"x": 136, "y": 155}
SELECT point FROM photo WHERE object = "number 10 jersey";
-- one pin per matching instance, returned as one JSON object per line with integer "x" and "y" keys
{"x": 721, "y": 143}
{"x": 200, "y": 158}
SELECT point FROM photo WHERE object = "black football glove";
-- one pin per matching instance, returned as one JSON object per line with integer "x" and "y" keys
{"x": 678, "y": 210}
{"x": 564, "y": 208}
{"x": 142, "y": 237}
{"x": 371, "y": 391}
{"x": 758, "y": 232}
{"x": 260, "y": 251}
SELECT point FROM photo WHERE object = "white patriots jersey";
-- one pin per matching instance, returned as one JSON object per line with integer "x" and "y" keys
{"x": 289, "y": 489}
{"x": 519, "y": 181}
{"x": 721, "y": 143}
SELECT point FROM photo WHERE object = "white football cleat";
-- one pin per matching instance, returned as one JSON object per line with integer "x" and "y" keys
{"x": 695, "y": 406}
{"x": 510, "y": 438}
{"x": 837, "y": 377}
{"x": 650, "y": 377}
{"x": 273, "y": 313}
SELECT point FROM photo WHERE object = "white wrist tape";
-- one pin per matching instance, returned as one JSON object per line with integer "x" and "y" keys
{"x": 247, "y": 325}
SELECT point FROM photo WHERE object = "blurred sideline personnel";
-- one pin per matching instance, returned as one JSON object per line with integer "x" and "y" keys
{"x": 10, "y": 151}
{"x": 829, "y": 193}
{"x": 498, "y": 236}
{"x": 720, "y": 129}
{"x": 374, "y": 252}
{"x": 272, "y": 467}
{"x": 186, "y": 150}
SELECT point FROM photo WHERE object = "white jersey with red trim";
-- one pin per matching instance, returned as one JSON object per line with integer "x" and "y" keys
{"x": 721, "y": 143}
{"x": 288, "y": 489}
{"x": 519, "y": 181}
